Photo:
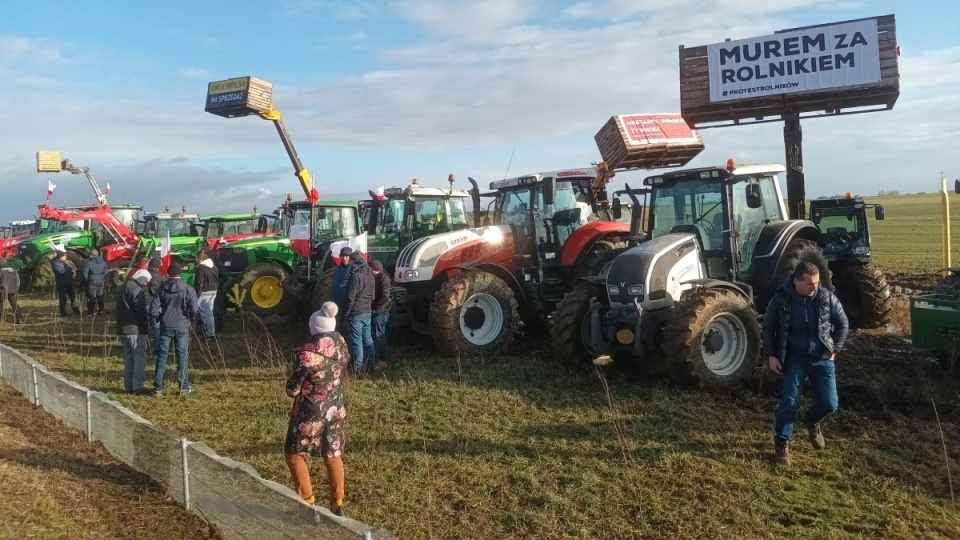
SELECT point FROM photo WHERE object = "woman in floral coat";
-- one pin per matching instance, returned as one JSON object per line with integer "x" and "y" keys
{"x": 317, "y": 419}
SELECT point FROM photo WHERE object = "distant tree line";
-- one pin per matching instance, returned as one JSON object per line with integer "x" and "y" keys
{"x": 888, "y": 193}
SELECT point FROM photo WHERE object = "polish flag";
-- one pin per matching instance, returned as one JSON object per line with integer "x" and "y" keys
{"x": 50, "y": 187}
{"x": 165, "y": 254}
{"x": 107, "y": 192}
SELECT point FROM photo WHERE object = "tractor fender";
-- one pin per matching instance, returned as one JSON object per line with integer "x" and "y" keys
{"x": 580, "y": 243}
{"x": 743, "y": 289}
{"x": 494, "y": 269}
{"x": 773, "y": 241}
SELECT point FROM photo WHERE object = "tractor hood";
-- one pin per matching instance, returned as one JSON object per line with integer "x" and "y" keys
{"x": 418, "y": 261}
{"x": 654, "y": 272}
{"x": 258, "y": 242}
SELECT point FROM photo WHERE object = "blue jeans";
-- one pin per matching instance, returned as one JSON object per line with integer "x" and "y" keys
{"x": 134, "y": 361}
{"x": 180, "y": 340}
{"x": 380, "y": 335}
{"x": 154, "y": 328}
{"x": 205, "y": 310}
{"x": 361, "y": 341}
{"x": 823, "y": 384}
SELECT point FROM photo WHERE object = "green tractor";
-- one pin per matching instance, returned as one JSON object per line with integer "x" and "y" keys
{"x": 224, "y": 229}
{"x": 259, "y": 267}
{"x": 861, "y": 287}
{"x": 78, "y": 230}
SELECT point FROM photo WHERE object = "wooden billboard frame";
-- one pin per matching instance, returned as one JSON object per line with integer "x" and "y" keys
{"x": 701, "y": 113}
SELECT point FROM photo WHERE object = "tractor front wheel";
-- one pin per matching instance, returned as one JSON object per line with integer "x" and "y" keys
{"x": 322, "y": 290}
{"x": 571, "y": 327}
{"x": 42, "y": 277}
{"x": 261, "y": 288}
{"x": 474, "y": 314}
{"x": 712, "y": 339}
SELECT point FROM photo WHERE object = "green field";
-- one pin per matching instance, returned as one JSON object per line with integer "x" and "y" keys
{"x": 910, "y": 240}
{"x": 515, "y": 447}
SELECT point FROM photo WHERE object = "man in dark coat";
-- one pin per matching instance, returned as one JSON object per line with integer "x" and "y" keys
{"x": 64, "y": 273}
{"x": 95, "y": 277}
{"x": 207, "y": 282}
{"x": 804, "y": 328}
{"x": 359, "y": 312}
{"x": 381, "y": 313}
{"x": 131, "y": 314}
{"x": 175, "y": 306}
{"x": 9, "y": 288}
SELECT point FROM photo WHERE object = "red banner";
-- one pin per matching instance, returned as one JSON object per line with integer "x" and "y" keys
{"x": 663, "y": 128}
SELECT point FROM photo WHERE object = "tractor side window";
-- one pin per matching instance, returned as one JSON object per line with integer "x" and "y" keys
{"x": 429, "y": 213}
{"x": 749, "y": 223}
{"x": 516, "y": 208}
{"x": 771, "y": 202}
{"x": 393, "y": 220}
{"x": 347, "y": 220}
{"x": 458, "y": 213}
{"x": 664, "y": 216}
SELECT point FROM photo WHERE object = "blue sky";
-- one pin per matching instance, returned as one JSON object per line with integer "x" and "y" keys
{"x": 377, "y": 93}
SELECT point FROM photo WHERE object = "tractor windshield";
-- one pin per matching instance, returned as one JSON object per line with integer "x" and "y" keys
{"x": 843, "y": 227}
{"x": 332, "y": 221}
{"x": 430, "y": 214}
{"x": 127, "y": 216}
{"x": 230, "y": 228}
{"x": 61, "y": 226}
{"x": 171, "y": 226}
{"x": 691, "y": 203}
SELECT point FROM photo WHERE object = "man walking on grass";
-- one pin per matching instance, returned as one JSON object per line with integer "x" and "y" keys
{"x": 175, "y": 307}
{"x": 359, "y": 313}
{"x": 803, "y": 330}
{"x": 207, "y": 283}
{"x": 64, "y": 273}
{"x": 95, "y": 278}
{"x": 9, "y": 288}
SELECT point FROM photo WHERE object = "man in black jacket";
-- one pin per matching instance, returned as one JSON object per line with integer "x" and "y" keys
{"x": 9, "y": 288}
{"x": 381, "y": 313}
{"x": 175, "y": 307}
{"x": 156, "y": 280}
{"x": 359, "y": 311}
{"x": 63, "y": 273}
{"x": 131, "y": 317}
{"x": 95, "y": 278}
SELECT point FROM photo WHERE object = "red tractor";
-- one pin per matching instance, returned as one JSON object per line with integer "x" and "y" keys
{"x": 470, "y": 288}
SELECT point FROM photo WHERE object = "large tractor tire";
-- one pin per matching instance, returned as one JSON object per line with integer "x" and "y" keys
{"x": 322, "y": 290}
{"x": 712, "y": 340}
{"x": 42, "y": 277}
{"x": 865, "y": 294}
{"x": 800, "y": 250}
{"x": 600, "y": 254}
{"x": 261, "y": 288}
{"x": 571, "y": 327}
{"x": 474, "y": 314}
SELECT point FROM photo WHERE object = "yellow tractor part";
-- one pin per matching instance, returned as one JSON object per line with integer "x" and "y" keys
{"x": 266, "y": 292}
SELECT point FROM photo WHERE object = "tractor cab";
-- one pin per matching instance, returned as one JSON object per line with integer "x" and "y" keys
{"x": 843, "y": 222}
{"x": 726, "y": 210}
{"x": 162, "y": 224}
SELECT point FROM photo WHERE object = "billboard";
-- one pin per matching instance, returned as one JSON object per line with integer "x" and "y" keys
{"x": 819, "y": 58}
{"x": 834, "y": 68}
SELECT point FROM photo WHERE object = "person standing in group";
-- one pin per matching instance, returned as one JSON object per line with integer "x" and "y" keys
{"x": 207, "y": 282}
{"x": 9, "y": 288}
{"x": 803, "y": 330}
{"x": 359, "y": 313}
{"x": 381, "y": 313}
{"x": 64, "y": 274}
{"x": 132, "y": 327}
{"x": 317, "y": 424}
{"x": 95, "y": 278}
{"x": 156, "y": 280}
{"x": 175, "y": 306}
{"x": 223, "y": 277}
{"x": 341, "y": 280}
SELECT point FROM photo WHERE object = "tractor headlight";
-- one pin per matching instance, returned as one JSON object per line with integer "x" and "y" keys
{"x": 613, "y": 290}
{"x": 861, "y": 250}
{"x": 411, "y": 274}
{"x": 635, "y": 290}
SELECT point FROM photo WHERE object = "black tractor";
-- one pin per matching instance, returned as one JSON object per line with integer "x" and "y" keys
{"x": 861, "y": 287}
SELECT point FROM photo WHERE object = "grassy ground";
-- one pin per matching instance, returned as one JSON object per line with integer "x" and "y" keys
{"x": 516, "y": 447}
{"x": 54, "y": 484}
{"x": 909, "y": 240}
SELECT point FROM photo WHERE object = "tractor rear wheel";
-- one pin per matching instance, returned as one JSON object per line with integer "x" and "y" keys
{"x": 42, "y": 277}
{"x": 571, "y": 327}
{"x": 474, "y": 314}
{"x": 712, "y": 339}
{"x": 261, "y": 287}
{"x": 600, "y": 254}
{"x": 865, "y": 294}
{"x": 322, "y": 290}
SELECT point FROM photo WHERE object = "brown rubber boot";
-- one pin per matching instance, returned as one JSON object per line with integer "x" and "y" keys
{"x": 816, "y": 436}
{"x": 782, "y": 451}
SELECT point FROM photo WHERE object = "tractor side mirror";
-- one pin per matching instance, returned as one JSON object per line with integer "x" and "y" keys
{"x": 878, "y": 212}
{"x": 321, "y": 213}
{"x": 549, "y": 190}
{"x": 409, "y": 208}
{"x": 754, "y": 199}
{"x": 616, "y": 209}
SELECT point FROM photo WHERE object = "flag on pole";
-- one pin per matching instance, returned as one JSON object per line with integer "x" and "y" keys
{"x": 107, "y": 191}
{"x": 380, "y": 196}
{"x": 165, "y": 254}
{"x": 50, "y": 187}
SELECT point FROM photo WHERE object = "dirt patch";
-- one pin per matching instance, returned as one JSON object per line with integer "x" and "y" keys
{"x": 55, "y": 484}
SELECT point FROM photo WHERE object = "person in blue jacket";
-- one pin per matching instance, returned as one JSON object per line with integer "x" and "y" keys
{"x": 803, "y": 330}
{"x": 341, "y": 280}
